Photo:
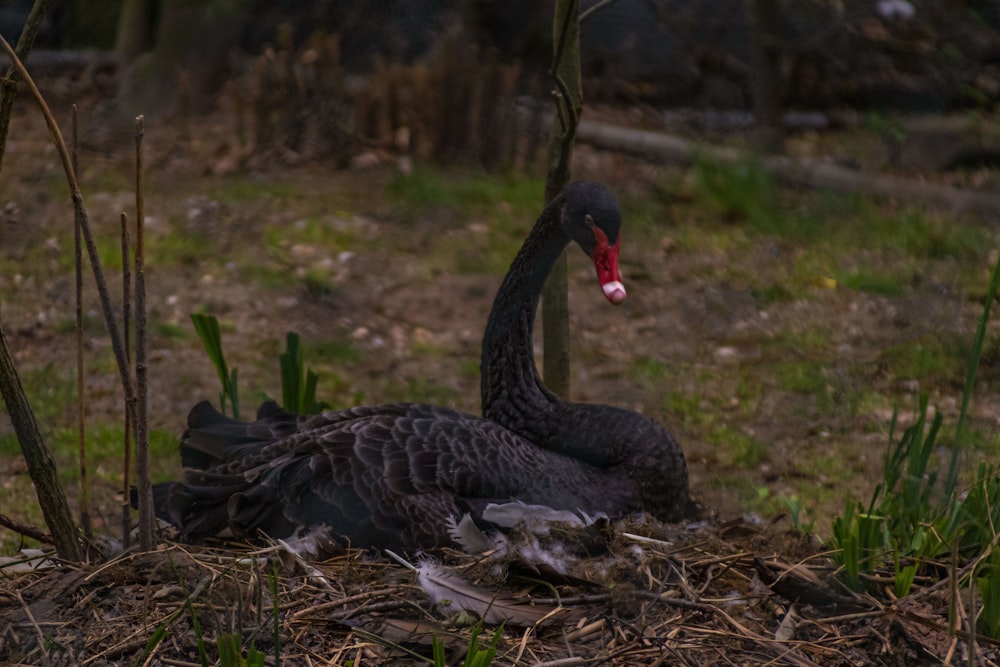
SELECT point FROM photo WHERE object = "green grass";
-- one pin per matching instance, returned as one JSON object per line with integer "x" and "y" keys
{"x": 173, "y": 245}
{"x": 737, "y": 225}
{"x": 334, "y": 351}
{"x": 742, "y": 191}
{"x": 482, "y": 218}
{"x": 102, "y": 179}
{"x": 741, "y": 449}
{"x": 922, "y": 236}
{"x": 644, "y": 215}
{"x": 331, "y": 234}
{"x": 179, "y": 247}
{"x": 240, "y": 188}
{"x": 465, "y": 194}
{"x": 304, "y": 254}
{"x": 934, "y": 360}
{"x": 51, "y": 390}
{"x": 919, "y": 516}
{"x": 104, "y": 451}
{"x": 688, "y": 408}
{"x": 737, "y": 206}
{"x": 104, "y": 468}
{"x": 876, "y": 281}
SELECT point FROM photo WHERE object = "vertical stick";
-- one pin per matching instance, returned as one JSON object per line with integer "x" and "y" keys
{"x": 124, "y": 372}
{"x": 569, "y": 103}
{"x": 80, "y": 421}
{"x": 765, "y": 59}
{"x": 145, "y": 490}
{"x": 127, "y": 331}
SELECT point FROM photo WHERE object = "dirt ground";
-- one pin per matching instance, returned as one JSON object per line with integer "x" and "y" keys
{"x": 417, "y": 326}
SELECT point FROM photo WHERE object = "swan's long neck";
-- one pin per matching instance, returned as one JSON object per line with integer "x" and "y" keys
{"x": 513, "y": 394}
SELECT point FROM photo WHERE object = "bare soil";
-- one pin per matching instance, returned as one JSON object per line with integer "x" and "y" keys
{"x": 417, "y": 323}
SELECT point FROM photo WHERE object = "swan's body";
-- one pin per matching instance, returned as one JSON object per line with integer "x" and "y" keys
{"x": 393, "y": 475}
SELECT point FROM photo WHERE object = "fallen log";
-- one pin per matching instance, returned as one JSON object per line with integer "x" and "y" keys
{"x": 659, "y": 147}
{"x": 59, "y": 60}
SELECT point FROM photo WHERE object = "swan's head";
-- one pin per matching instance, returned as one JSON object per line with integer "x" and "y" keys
{"x": 591, "y": 217}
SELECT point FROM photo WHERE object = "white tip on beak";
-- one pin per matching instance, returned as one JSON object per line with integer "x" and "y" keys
{"x": 615, "y": 291}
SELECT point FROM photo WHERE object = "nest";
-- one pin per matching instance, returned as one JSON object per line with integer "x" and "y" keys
{"x": 639, "y": 595}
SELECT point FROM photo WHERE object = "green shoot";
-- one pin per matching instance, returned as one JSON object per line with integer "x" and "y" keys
{"x": 154, "y": 640}
{"x": 231, "y": 652}
{"x": 476, "y": 655}
{"x": 199, "y": 638}
{"x": 796, "y": 512}
{"x": 913, "y": 520}
{"x": 970, "y": 375}
{"x": 207, "y": 327}
{"x": 989, "y": 591}
{"x": 298, "y": 384}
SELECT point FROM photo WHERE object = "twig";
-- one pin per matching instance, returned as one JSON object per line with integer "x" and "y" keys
{"x": 680, "y": 603}
{"x": 365, "y": 596}
{"x": 565, "y": 72}
{"x": 126, "y": 329}
{"x": 34, "y": 623}
{"x": 41, "y": 466}
{"x": 9, "y": 80}
{"x": 80, "y": 210}
{"x": 564, "y": 101}
{"x": 26, "y": 530}
{"x": 138, "y": 639}
{"x": 80, "y": 421}
{"x": 931, "y": 623}
{"x": 141, "y": 425}
{"x": 564, "y": 662}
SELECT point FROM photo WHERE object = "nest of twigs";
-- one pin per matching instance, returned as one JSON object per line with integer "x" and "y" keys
{"x": 698, "y": 595}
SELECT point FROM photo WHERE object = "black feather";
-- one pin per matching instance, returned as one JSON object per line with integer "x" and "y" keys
{"x": 393, "y": 475}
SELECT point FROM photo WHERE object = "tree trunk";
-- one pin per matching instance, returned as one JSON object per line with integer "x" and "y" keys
{"x": 41, "y": 468}
{"x": 765, "y": 43}
{"x": 135, "y": 31}
{"x": 188, "y": 61}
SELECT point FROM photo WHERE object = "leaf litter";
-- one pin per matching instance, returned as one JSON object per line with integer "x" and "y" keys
{"x": 702, "y": 594}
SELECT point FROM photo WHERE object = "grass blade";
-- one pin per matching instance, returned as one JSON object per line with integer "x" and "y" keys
{"x": 207, "y": 328}
{"x": 970, "y": 379}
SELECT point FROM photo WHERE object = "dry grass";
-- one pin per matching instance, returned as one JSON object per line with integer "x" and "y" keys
{"x": 695, "y": 596}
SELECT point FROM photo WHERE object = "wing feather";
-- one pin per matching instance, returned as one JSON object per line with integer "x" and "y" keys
{"x": 389, "y": 476}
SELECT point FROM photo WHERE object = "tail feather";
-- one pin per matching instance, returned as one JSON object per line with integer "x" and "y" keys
{"x": 212, "y": 437}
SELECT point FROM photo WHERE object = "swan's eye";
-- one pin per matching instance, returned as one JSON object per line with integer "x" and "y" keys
{"x": 587, "y": 220}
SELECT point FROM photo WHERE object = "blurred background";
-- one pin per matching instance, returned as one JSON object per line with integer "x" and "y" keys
{"x": 361, "y": 172}
{"x": 444, "y": 79}
{"x": 810, "y": 193}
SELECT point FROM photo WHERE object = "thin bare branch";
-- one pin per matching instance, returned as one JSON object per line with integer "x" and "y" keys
{"x": 80, "y": 420}
{"x": 81, "y": 212}
{"x": 8, "y": 84}
{"x": 145, "y": 490}
{"x": 40, "y": 463}
{"x": 22, "y": 528}
{"x": 565, "y": 72}
{"x": 127, "y": 329}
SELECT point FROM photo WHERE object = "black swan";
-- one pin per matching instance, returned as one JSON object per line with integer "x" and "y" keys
{"x": 396, "y": 476}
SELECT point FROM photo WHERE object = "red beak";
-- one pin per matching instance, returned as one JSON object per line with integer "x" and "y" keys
{"x": 605, "y": 258}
